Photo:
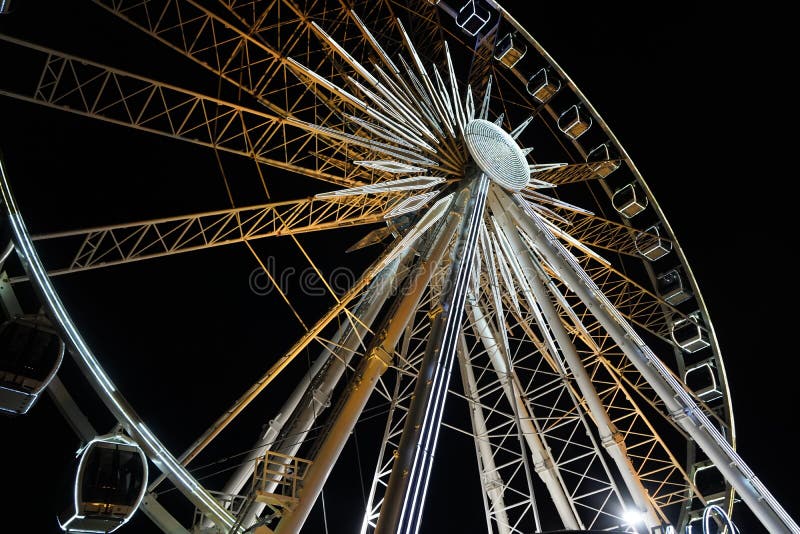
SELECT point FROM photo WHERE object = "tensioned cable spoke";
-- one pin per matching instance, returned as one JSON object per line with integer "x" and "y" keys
{"x": 241, "y": 58}
{"x": 594, "y": 231}
{"x": 269, "y": 376}
{"x": 276, "y": 285}
{"x": 556, "y": 413}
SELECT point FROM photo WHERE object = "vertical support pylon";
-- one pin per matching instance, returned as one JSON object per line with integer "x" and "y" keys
{"x": 296, "y": 418}
{"x": 402, "y": 508}
{"x": 490, "y": 479}
{"x": 684, "y": 411}
{"x": 544, "y": 463}
{"x": 610, "y": 438}
{"x": 377, "y": 359}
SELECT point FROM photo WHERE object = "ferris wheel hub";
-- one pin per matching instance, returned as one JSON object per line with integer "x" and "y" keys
{"x": 497, "y": 154}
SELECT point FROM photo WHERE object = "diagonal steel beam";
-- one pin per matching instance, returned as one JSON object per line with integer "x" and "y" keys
{"x": 124, "y": 243}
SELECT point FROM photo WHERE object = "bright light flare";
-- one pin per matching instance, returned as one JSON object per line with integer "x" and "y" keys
{"x": 633, "y": 517}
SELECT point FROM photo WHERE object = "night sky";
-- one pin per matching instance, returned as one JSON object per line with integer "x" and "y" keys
{"x": 688, "y": 93}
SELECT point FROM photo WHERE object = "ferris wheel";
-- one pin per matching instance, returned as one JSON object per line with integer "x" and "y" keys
{"x": 511, "y": 278}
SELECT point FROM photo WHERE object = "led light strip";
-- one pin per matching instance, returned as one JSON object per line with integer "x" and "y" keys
{"x": 421, "y": 467}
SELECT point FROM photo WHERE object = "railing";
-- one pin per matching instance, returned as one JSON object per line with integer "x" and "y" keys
{"x": 277, "y": 478}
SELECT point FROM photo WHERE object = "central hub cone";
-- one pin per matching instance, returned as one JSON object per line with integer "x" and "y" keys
{"x": 497, "y": 154}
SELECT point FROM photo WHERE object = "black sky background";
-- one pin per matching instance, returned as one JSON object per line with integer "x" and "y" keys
{"x": 694, "y": 95}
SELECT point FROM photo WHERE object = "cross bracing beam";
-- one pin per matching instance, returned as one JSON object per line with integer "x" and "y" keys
{"x": 124, "y": 243}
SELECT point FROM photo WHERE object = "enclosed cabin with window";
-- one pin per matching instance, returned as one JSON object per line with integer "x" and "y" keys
{"x": 689, "y": 332}
{"x": 509, "y": 50}
{"x": 650, "y": 244}
{"x": 600, "y": 161}
{"x": 702, "y": 379}
{"x": 629, "y": 200}
{"x": 710, "y": 484}
{"x": 30, "y": 354}
{"x": 574, "y": 121}
{"x": 109, "y": 485}
{"x": 472, "y": 17}
{"x": 543, "y": 85}
{"x": 671, "y": 287}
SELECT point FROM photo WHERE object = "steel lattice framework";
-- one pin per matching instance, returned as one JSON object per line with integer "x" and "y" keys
{"x": 538, "y": 310}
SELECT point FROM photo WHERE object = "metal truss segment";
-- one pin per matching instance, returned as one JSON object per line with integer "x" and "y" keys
{"x": 124, "y": 243}
{"x": 93, "y": 90}
{"x": 594, "y": 231}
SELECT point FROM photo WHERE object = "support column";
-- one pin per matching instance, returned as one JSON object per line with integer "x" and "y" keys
{"x": 680, "y": 404}
{"x": 405, "y": 494}
{"x": 491, "y": 482}
{"x": 610, "y": 438}
{"x": 544, "y": 465}
{"x": 346, "y": 340}
{"x": 374, "y": 364}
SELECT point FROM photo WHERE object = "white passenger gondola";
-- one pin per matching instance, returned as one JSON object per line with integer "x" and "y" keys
{"x": 110, "y": 483}
{"x": 710, "y": 486}
{"x": 543, "y": 85}
{"x": 671, "y": 288}
{"x": 472, "y": 17}
{"x": 30, "y": 355}
{"x": 701, "y": 378}
{"x": 574, "y": 121}
{"x": 689, "y": 333}
{"x": 629, "y": 200}
{"x": 510, "y": 50}
{"x": 651, "y": 245}
{"x": 600, "y": 161}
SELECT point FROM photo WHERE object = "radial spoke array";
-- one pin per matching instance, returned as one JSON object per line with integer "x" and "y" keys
{"x": 100, "y": 92}
{"x": 569, "y": 365}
